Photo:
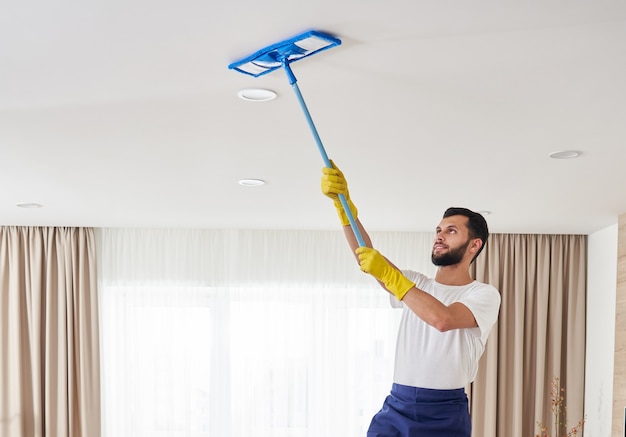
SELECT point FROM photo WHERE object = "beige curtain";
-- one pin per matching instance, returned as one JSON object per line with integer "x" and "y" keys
{"x": 540, "y": 334}
{"x": 49, "y": 349}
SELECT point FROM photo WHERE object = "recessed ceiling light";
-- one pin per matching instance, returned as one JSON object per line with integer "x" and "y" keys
{"x": 29, "y": 205}
{"x": 256, "y": 95}
{"x": 565, "y": 154}
{"x": 251, "y": 182}
{"x": 484, "y": 212}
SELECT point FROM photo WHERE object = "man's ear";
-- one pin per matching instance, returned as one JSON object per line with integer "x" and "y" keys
{"x": 475, "y": 246}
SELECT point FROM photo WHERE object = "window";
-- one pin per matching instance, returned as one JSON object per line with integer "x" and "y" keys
{"x": 262, "y": 361}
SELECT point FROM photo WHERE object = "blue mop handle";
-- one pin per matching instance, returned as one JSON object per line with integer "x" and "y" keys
{"x": 320, "y": 146}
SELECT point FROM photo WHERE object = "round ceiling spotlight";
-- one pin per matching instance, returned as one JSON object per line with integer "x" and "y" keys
{"x": 251, "y": 182}
{"x": 29, "y": 205}
{"x": 565, "y": 154}
{"x": 256, "y": 95}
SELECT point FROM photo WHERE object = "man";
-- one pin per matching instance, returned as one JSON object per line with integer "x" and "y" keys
{"x": 444, "y": 326}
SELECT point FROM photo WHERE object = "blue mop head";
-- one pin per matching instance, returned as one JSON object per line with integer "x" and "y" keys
{"x": 272, "y": 57}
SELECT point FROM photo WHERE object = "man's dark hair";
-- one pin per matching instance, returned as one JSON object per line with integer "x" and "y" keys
{"x": 476, "y": 224}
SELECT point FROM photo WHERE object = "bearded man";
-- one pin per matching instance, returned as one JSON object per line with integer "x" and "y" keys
{"x": 445, "y": 323}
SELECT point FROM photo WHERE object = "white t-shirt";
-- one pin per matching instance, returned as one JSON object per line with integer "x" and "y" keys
{"x": 428, "y": 358}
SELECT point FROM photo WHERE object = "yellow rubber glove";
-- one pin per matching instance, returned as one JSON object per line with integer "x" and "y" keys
{"x": 375, "y": 264}
{"x": 333, "y": 184}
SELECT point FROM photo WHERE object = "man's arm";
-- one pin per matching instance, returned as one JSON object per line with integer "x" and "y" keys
{"x": 351, "y": 238}
{"x": 436, "y": 314}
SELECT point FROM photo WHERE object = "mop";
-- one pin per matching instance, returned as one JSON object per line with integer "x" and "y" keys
{"x": 281, "y": 55}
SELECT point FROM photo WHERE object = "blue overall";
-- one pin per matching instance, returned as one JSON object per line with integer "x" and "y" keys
{"x": 420, "y": 412}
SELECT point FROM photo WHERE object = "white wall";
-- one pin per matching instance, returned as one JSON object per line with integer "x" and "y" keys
{"x": 601, "y": 293}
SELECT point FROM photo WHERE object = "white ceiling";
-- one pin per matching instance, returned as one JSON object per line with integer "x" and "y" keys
{"x": 124, "y": 113}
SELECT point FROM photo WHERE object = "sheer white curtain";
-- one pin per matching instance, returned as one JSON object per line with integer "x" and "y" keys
{"x": 244, "y": 333}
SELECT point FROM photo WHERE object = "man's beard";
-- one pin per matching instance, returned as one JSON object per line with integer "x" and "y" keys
{"x": 450, "y": 258}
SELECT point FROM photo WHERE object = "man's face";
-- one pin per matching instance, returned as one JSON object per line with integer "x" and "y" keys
{"x": 451, "y": 241}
